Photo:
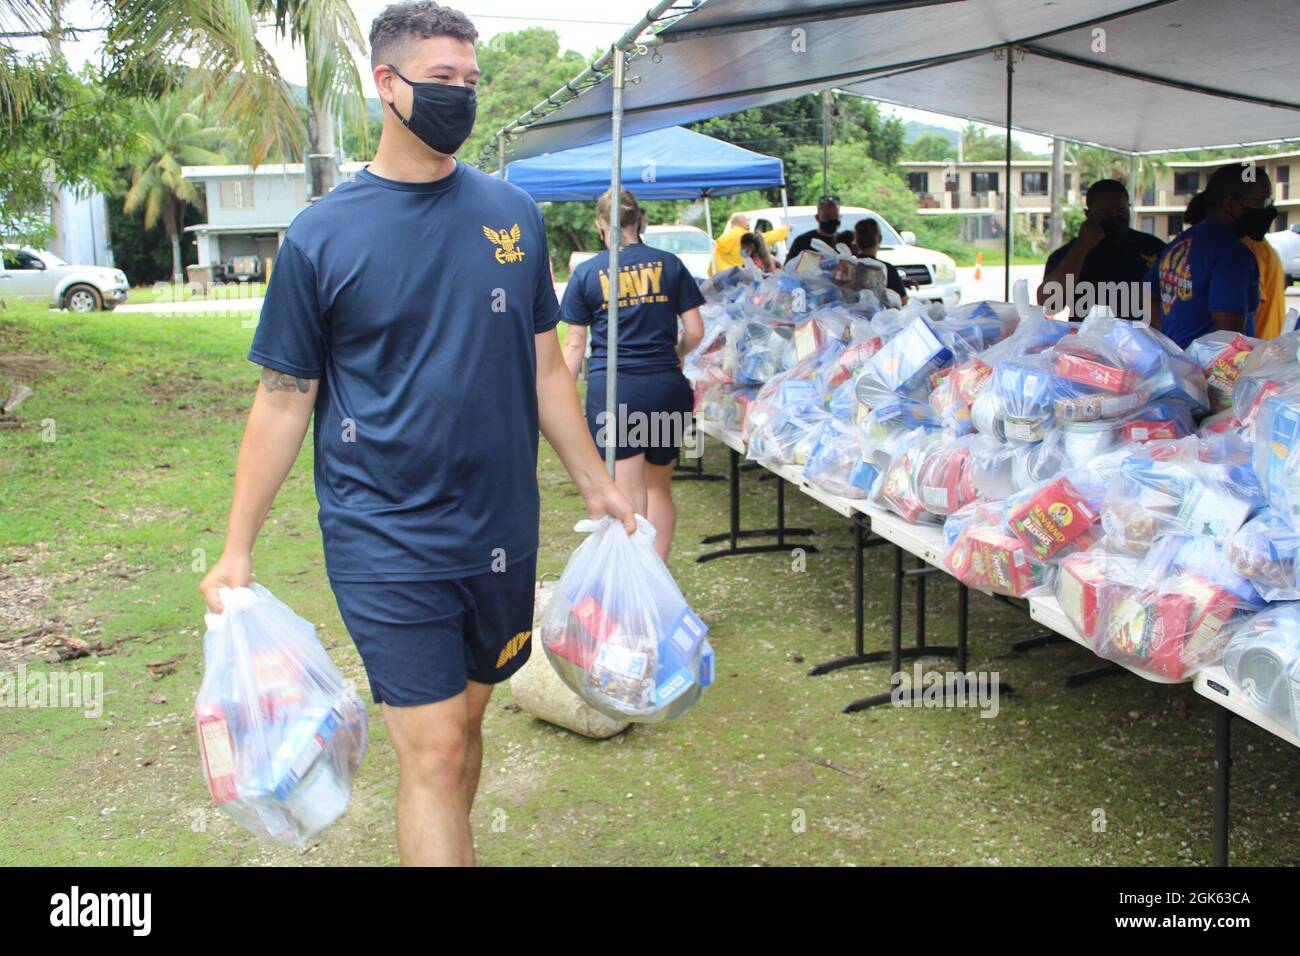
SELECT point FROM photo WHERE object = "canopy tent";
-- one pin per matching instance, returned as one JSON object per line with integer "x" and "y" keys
{"x": 1130, "y": 76}
{"x": 672, "y": 163}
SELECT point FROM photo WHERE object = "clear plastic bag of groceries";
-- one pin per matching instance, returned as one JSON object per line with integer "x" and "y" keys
{"x": 757, "y": 349}
{"x": 1264, "y": 551}
{"x": 1221, "y": 355}
{"x": 1262, "y": 657}
{"x": 836, "y": 463}
{"x": 1168, "y": 487}
{"x": 905, "y": 363}
{"x": 280, "y": 731}
{"x": 985, "y": 555}
{"x": 896, "y": 487}
{"x": 1117, "y": 355}
{"x": 619, "y": 632}
{"x": 1271, "y": 367}
{"x": 1176, "y": 620}
{"x": 785, "y": 416}
{"x": 1277, "y": 452}
{"x": 944, "y": 479}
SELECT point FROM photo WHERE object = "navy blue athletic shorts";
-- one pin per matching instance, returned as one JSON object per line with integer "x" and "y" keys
{"x": 661, "y": 401}
{"x": 422, "y": 641}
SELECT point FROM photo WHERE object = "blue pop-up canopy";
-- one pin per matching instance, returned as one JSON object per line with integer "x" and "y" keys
{"x": 672, "y": 163}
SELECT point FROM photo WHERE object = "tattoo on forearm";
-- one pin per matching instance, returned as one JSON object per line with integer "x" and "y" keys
{"x": 274, "y": 381}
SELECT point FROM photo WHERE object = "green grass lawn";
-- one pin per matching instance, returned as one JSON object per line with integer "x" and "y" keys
{"x": 105, "y": 528}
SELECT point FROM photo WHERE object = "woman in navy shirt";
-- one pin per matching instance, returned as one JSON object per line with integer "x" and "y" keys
{"x": 654, "y": 399}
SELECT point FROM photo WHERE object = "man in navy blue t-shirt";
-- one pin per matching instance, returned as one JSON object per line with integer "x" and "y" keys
{"x": 412, "y": 311}
{"x": 1207, "y": 278}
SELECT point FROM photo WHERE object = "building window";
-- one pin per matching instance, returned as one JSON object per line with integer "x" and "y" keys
{"x": 919, "y": 182}
{"x": 1282, "y": 182}
{"x": 1069, "y": 181}
{"x": 1033, "y": 184}
{"x": 1185, "y": 184}
{"x": 983, "y": 182}
{"x": 1147, "y": 224}
{"x": 1282, "y": 223}
{"x": 237, "y": 193}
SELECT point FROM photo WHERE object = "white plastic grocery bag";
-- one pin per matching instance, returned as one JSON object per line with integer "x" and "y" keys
{"x": 619, "y": 631}
{"x": 280, "y": 731}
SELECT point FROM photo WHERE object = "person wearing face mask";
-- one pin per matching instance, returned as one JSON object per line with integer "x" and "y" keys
{"x": 1105, "y": 251}
{"x": 866, "y": 243}
{"x": 411, "y": 312}
{"x": 655, "y": 289}
{"x": 1272, "y": 280}
{"x": 726, "y": 249}
{"x": 828, "y": 224}
{"x": 1206, "y": 279}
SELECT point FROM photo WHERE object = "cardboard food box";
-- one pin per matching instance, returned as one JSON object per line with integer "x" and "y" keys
{"x": 1085, "y": 585}
{"x": 1052, "y": 518}
{"x": 1093, "y": 374}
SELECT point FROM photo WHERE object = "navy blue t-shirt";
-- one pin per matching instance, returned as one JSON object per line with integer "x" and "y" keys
{"x": 654, "y": 288}
{"x": 1204, "y": 269}
{"x": 416, "y": 306}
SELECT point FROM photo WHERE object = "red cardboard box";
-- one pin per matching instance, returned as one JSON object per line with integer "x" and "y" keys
{"x": 988, "y": 559}
{"x": 1052, "y": 518}
{"x": 588, "y": 628}
{"x": 1094, "y": 374}
{"x": 1144, "y": 431}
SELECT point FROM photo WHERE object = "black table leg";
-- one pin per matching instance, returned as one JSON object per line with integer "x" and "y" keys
{"x": 733, "y": 532}
{"x": 1222, "y": 768}
{"x": 1109, "y": 669}
{"x": 859, "y": 655}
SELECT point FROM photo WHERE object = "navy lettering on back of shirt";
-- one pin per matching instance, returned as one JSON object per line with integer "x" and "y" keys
{"x": 654, "y": 288}
{"x": 416, "y": 305}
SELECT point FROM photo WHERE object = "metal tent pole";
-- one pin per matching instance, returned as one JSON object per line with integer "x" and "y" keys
{"x": 615, "y": 242}
{"x": 501, "y": 157}
{"x": 1134, "y": 190}
{"x": 826, "y": 142}
{"x": 708, "y": 216}
{"x": 1006, "y": 239}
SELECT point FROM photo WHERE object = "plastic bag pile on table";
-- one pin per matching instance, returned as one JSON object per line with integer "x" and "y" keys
{"x": 1154, "y": 491}
{"x": 280, "y": 731}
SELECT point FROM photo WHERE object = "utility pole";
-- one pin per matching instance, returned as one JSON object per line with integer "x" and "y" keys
{"x": 1057, "y": 188}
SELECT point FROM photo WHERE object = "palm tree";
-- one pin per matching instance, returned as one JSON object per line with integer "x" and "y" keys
{"x": 329, "y": 34}
{"x": 172, "y": 132}
{"x": 218, "y": 39}
{"x": 1092, "y": 163}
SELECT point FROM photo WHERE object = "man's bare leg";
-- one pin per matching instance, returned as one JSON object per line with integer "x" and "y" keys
{"x": 477, "y": 696}
{"x": 431, "y": 742}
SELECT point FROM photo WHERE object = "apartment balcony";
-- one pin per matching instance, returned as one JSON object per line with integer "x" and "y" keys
{"x": 1173, "y": 199}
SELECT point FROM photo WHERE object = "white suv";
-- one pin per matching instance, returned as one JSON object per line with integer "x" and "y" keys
{"x": 934, "y": 273}
{"x": 26, "y": 273}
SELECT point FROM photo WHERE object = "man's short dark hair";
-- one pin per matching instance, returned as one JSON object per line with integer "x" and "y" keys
{"x": 1227, "y": 182}
{"x": 399, "y": 23}
{"x": 1105, "y": 187}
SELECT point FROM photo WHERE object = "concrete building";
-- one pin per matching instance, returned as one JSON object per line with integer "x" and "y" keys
{"x": 1160, "y": 208}
{"x": 976, "y": 192}
{"x": 249, "y": 209}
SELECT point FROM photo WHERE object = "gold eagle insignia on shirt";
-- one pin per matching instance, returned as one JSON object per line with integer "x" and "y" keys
{"x": 507, "y": 243}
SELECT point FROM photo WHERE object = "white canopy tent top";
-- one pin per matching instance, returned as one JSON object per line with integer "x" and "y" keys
{"x": 1159, "y": 75}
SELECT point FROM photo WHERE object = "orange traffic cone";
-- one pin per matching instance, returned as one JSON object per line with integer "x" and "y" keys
{"x": 979, "y": 261}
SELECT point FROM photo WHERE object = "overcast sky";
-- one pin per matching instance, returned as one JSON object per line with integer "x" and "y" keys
{"x": 583, "y": 25}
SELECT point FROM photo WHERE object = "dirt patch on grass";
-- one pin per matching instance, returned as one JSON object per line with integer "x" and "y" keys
{"x": 37, "y": 622}
{"x": 18, "y": 368}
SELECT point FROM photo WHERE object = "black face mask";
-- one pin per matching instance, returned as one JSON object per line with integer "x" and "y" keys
{"x": 828, "y": 227}
{"x": 442, "y": 115}
{"x": 1255, "y": 222}
{"x": 1114, "y": 227}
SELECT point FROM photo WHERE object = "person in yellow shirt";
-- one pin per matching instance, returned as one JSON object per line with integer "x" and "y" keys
{"x": 726, "y": 248}
{"x": 1272, "y": 289}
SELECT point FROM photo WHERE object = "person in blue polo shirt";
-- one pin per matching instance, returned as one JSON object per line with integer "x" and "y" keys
{"x": 412, "y": 312}
{"x": 654, "y": 399}
{"x": 1206, "y": 278}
